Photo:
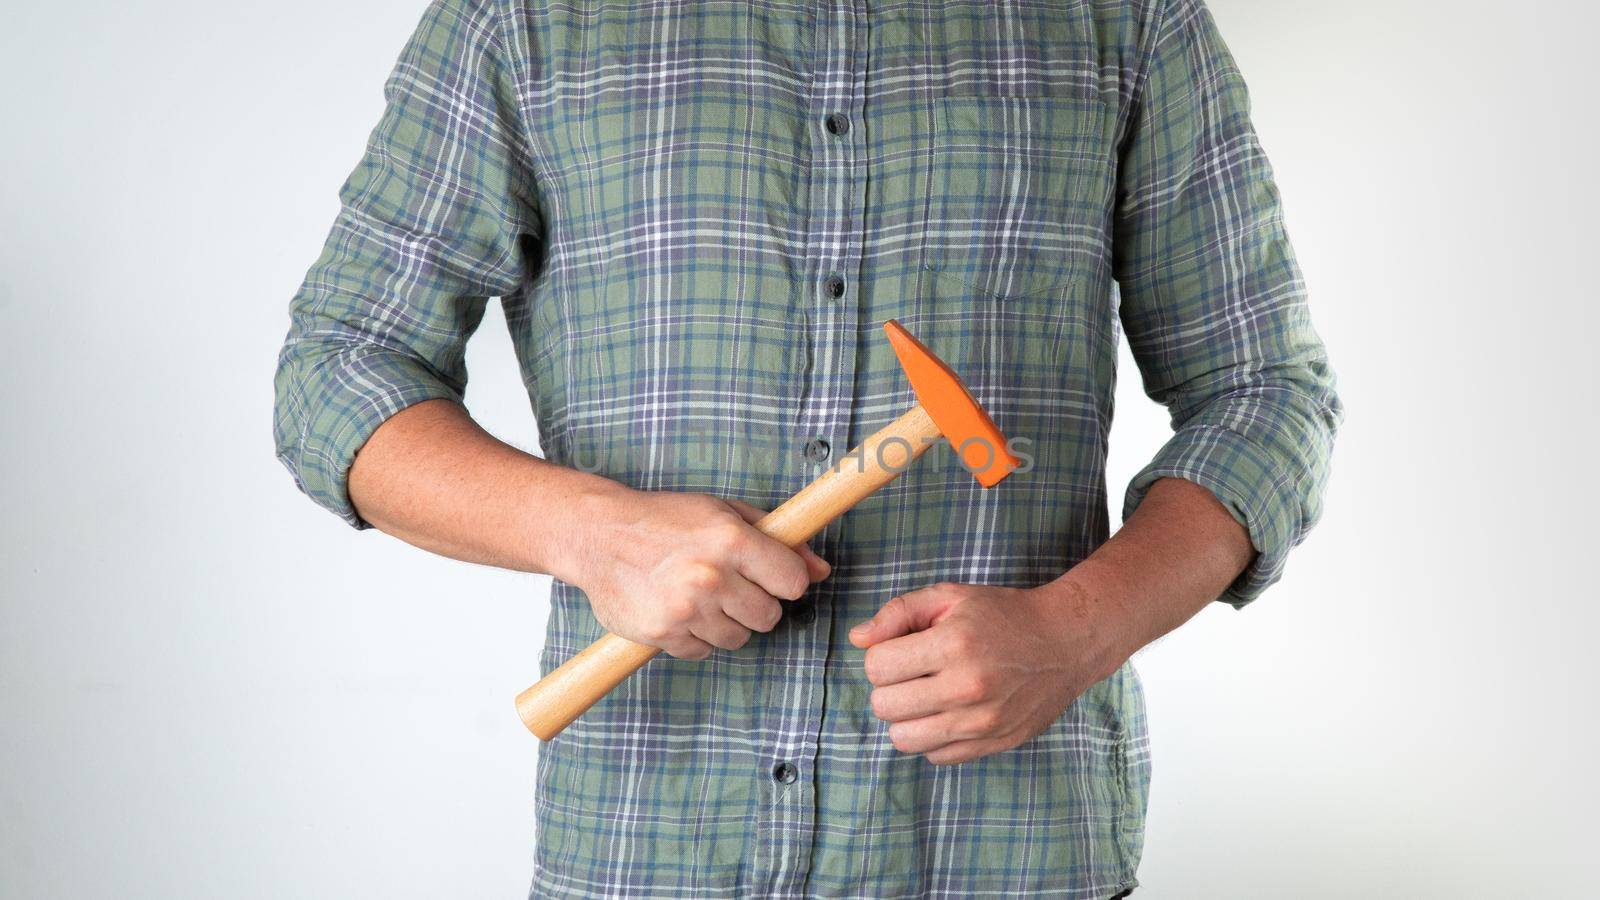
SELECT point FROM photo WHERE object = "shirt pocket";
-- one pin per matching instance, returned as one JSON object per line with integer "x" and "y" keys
{"x": 1022, "y": 191}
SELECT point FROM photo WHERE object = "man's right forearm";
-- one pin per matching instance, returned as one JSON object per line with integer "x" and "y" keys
{"x": 684, "y": 572}
{"x": 435, "y": 479}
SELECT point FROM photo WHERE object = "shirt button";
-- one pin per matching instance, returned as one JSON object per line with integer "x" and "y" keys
{"x": 836, "y": 123}
{"x": 803, "y": 613}
{"x": 834, "y": 286}
{"x": 785, "y": 773}
{"x": 816, "y": 450}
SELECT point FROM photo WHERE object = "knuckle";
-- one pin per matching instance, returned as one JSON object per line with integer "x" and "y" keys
{"x": 705, "y": 508}
{"x": 731, "y": 537}
{"x": 878, "y": 704}
{"x": 681, "y": 650}
{"x": 986, "y": 720}
{"x": 970, "y": 690}
{"x": 984, "y": 682}
{"x": 958, "y": 643}
{"x": 874, "y": 666}
{"x": 894, "y": 609}
{"x": 701, "y": 577}
{"x": 799, "y": 580}
{"x": 771, "y": 615}
{"x": 659, "y": 628}
{"x": 679, "y": 609}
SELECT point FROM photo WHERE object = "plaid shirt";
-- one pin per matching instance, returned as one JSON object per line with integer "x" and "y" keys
{"x": 697, "y": 216}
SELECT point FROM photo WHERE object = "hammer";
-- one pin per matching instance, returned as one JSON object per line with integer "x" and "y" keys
{"x": 945, "y": 409}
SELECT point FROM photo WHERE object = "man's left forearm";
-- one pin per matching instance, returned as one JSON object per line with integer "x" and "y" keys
{"x": 963, "y": 670}
{"x": 1178, "y": 552}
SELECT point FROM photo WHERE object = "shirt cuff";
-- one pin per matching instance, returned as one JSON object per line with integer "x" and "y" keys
{"x": 1244, "y": 477}
{"x": 340, "y": 407}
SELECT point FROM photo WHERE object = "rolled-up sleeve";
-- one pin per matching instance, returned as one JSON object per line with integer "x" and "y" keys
{"x": 1213, "y": 301}
{"x": 434, "y": 221}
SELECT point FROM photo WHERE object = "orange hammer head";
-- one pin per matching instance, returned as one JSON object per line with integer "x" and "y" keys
{"x": 969, "y": 429}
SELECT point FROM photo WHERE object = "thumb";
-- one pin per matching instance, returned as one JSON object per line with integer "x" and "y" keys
{"x": 908, "y": 613}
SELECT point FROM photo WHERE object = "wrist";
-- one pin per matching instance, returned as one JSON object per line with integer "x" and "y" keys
{"x": 565, "y": 525}
{"x": 1094, "y": 606}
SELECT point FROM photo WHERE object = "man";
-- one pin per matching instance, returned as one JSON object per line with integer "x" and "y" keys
{"x": 697, "y": 216}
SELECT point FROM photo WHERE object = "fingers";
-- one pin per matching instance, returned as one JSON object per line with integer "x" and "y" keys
{"x": 957, "y": 752}
{"x": 817, "y": 567}
{"x": 751, "y": 514}
{"x": 720, "y": 631}
{"x": 721, "y": 585}
{"x": 924, "y": 735}
{"x": 692, "y": 615}
{"x": 729, "y": 608}
{"x": 912, "y": 612}
{"x": 750, "y": 606}
{"x": 915, "y": 698}
{"x": 775, "y": 568}
{"x": 933, "y": 733}
{"x": 901, "y": 640}
{"x": 686, "y": 646}
{"x": 717, "y": 629}
{"x": 903, "y": 659}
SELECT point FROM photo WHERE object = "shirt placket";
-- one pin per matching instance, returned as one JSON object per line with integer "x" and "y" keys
{"x": 833, "y": 268}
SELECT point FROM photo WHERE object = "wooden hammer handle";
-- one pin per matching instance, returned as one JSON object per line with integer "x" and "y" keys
{"x": 568, "y": 691}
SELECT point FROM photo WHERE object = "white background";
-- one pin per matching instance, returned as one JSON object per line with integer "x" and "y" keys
{"x": 211, "y": 688}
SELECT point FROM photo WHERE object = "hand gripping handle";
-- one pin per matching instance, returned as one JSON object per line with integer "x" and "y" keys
{"x": 577, "y": 684}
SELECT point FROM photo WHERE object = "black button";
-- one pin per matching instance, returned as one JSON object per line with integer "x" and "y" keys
{"x": 836, "y": 123}
{"x": 834, "y": 286}
{"x": 785, "y": 773}
{"x": 816, "y": 450}
{"x": 803, "y": 612}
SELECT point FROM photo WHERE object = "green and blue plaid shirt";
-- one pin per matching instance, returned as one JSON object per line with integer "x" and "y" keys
{"x": 697, "y": 215}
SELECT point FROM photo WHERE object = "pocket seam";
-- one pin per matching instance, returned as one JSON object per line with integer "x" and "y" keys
{"x": 1090, "y": 126}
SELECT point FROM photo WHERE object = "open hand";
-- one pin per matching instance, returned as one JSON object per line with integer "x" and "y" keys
{"x": 961, "y": 671}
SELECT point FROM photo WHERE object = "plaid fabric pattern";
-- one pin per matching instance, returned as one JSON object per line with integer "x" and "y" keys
{"x": 695, "y": 266}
